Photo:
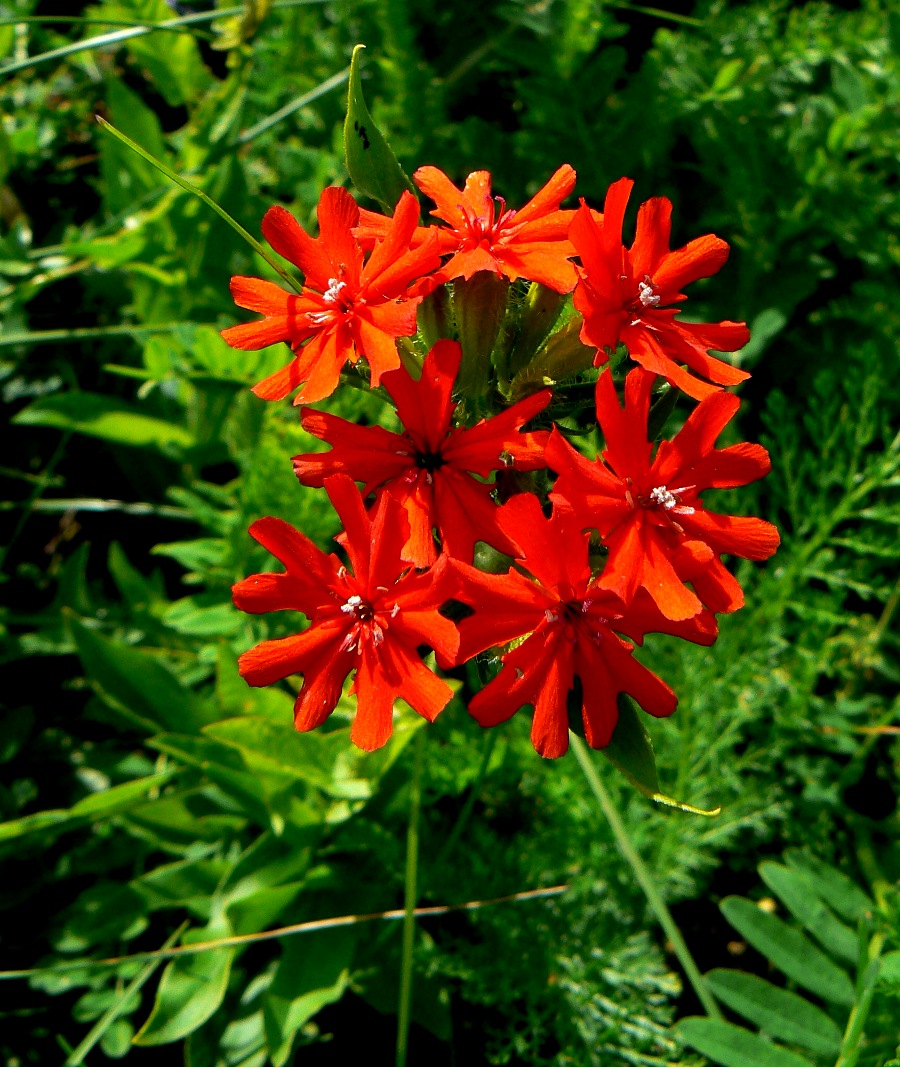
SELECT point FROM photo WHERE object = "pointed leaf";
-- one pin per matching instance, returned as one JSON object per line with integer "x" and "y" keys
{"x": 779, "y": 1012}
{"x": 138, "y": 683}
{"x": 314, "y": 971}
{"x": 370, "y": 161}
{"x": 103, "y": 417}
{"x": 799, "y": 893}
{"x": 791, "y": 951}
{"x": 190, "y": 990}
{"x": 631, "y": 751}
{"x": 732, "y": 1046}
{"x": 833, "y": 886}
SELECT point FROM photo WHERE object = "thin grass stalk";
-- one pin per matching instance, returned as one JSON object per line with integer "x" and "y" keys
{"x": 141, "y": 30}
{"x": 409, "y": 902}
{"x": 189, "y": 187}
{"x": 644, "y": 877}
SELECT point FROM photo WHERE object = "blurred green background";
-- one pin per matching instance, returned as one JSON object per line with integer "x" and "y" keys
{"x": 144, "y": 786}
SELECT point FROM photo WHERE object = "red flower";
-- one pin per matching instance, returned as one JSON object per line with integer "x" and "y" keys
{"x": 371, "y": 620}
{"x": 529, "y": 243}
{"x": 571, "y": 620}
{"x": 426, "y": 468}
{"x": 348, "y": 308}
{"x": 624, "y": 293}
{"x": 649, "y": 514}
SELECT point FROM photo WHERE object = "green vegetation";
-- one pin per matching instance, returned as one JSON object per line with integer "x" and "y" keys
{"x": 151, "y": 800}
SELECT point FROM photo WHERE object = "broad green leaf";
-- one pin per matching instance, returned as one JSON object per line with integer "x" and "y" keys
{"x": 779, "y": 1012}
{"x": 372, "y": 165}
{"x": 257, "y": 911}
{"x": 116, "y": 799}
{"x": 790, "y": 950}
{"x": 189, "y": 616}
{"x": 107, "y": 911}
{"x": 190, "y": 990}
{"x": 732, "y": 1046}
{"x": 313, "y": 971}
{"x": 631, "y": 751}
{"x": 138, "y": 683}
{"x": 889, "y": 972}
{"x": 104, "y": 417}
{"x": 833, "y": 886}
{"x": 189, "y": 883}
{"x": 171, "y": 59}
{"x": 798, "y": 892}
{"x": 224, "y": 765}
{"x": 116, "y": 1041}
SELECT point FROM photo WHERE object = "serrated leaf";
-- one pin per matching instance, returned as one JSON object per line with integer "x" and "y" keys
{"x": 371, "y": 163}
{"x": 190, "y": 990}
{"x": 798, "y": 892}
{"x": 779, "y": 1012}
{"x": 103, "y": 417}
{"x": 833, "y": 886}
{"x": 790, "y": 950}
{"x": 732, "y": 1046}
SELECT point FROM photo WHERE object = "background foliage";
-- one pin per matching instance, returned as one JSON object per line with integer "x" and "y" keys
{"x": 148, "y": 794}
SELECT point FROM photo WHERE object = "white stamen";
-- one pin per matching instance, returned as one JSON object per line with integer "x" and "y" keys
{"x": 317, "y": 318}
{"x": 395, "y": 611}
{"x": 663, "y": 497}
{"x": 352, "y": 604}
{"x": 332, "y": 292}
{"x": 550, "y": 616}
{"x": 647, "y": 293}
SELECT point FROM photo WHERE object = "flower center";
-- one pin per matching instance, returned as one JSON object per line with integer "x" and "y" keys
{"x": 334, "y": 287}
{"x": 489, "y": 226}
{"x": 648, "y": 296}
{"x": 365, "y": 626}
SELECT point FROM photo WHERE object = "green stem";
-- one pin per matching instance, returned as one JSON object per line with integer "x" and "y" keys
{"x": 189, "y": 187}
{"x": 644, "y": 877}
{"x": 119, "y": 1005}
{"x": 409, "y": 902}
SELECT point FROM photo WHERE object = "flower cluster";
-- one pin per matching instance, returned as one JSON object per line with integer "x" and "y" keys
{"x": 586, "y": 553}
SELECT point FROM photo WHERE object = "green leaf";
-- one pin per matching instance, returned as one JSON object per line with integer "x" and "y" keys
{"x": 118, "y": 798}
{"x": 314, "y": 971}
{"x": 631, "y": 751}
{"x": 791, "y": 951}
{"x": 798, "y": 892}
{"x": 372, "y": 165}
{"x": 732, "y": 1046}
{"x": 834, "y": 887}
{"x": 779, "y": 1012}
{"x": 190, "y": 990}
{"x": 889, "y": 972}
{"x": 116, "y": 1042}
{"x": 103, "y": 417}
{"x": 138, "y": 684}
{"x": 105, "y": 912}
{"x": 189, "y": 616}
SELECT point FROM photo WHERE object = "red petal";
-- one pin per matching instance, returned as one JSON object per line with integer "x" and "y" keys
{"x": 738, "y": 535}
{"x": 698, "y": 259}
{"x": 548, "y": 199}
{"x": 368, "y": 454}
{"x": 651, "y": 238}
{"x": 291, "y": 241}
